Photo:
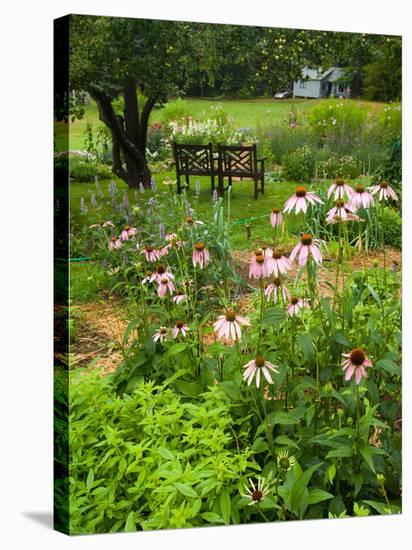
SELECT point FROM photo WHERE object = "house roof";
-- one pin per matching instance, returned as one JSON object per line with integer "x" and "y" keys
{"x": 317, "y": 74}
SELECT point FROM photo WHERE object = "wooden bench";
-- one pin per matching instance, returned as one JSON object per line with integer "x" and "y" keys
{"x": 240, "y": 161}
{"x": 194, "y": 160}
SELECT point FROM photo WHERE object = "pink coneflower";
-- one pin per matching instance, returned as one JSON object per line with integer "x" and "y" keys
{"x": 280, "y": 264}
{"x": 180, "y": 297}
{"x": 273, "y": 289}
{"x": 127, "y": 232}
{"x": 339, "y": 188}
{"x": 276, "y": 217}
{"x": 255, "y": 367}
{"x": 114, "y": 243}
{"x": 180, "y": 328}
{"x": 102, "y": 224}
{"x": 148, "y": 278}
{"x": 306, "y": 246}
{"x": 160, "y": 272}
{"x": 151, "y": 254}
{"x": 228, "y": 325}
{"x": 266, "y": 251}
{"x": 165, "y": 285}
{"x": 190, "y": 221}
{"x": 200, "y": 255}
{"x": 385, "y": 191}
{"x": 160, "y": 335}
{"x": 341, "y": 212}
{"x": 163, "y": 250}
{"x": 259, "y": 266}
{"x": 355, "y": 363}
{"x": 298, "y": 200}
{"x": 295, "y": 305}
{"x": 360, "y": 198}
{"x": 170, "y": 237}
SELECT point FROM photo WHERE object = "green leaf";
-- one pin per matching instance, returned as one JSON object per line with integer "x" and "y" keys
{"x": 130, "y": 523}
{"x": 218, "y": 349}
{"x": 317, "y": 495}
{"x": 307, "y": 348}
{"x": 331, "y": 472}
{"x": 225, "y": 506}
{"x": 90, "y": 479}
{"x": 191, "y": 389}
{"x": 374, "y": 294}
{"x": 340, "y": 338}
{"x": 286, "y": 418}
{"x": 365, "y": 451}
{"x": 283, "y": 440}
{"x": 186, "y": 490}
{"x": 357, "y": 480}
{"x": 211, "y": 517}
{"x": 382, "y": 507}
{"x": 177, "y": 348}
{"x": 299, "y": 488}
{"x": 273, "y": 316}
{"x": 259, "y": 445}
{"x": 389, "y": 366}
{"x": 131, "y": 326}
{"x": 165, "y": 453}
{"x": 344, "y": 451}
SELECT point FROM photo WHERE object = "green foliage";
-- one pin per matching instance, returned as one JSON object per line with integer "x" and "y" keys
{"x": 300, "y": 165}
{"x": 337, "y": 124}
{"x": 149, "y": 460}
{"x": 347, "y": 167}
{"x": 86, "y": 169}
{"x": 391, "y": 168}
{"x": 383, "y": 80}
{"x": 392, "y": 227}
{"x": 176, "y": 110}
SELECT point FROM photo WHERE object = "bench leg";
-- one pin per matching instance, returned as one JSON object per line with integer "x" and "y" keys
{"x": 263, "y": 183}
{"x": 256, "y": 188}
{"x": 187, "y": 182}
{"x": 179, "y": 187}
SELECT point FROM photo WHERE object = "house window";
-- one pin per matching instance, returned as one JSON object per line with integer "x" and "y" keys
{"x": 341, "y": 87}
{"x": 302, "y": 83}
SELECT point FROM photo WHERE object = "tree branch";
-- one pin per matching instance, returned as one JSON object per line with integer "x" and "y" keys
{"x": 111, "y": 120}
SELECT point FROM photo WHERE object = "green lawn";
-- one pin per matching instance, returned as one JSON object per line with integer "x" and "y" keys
{"x": 244, "y": 208}
{"x": 246, "y": 113}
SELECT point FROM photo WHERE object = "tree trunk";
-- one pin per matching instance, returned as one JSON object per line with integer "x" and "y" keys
{"x": 129, "y": 135}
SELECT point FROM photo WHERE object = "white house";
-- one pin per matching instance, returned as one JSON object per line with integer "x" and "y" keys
{"x": 321, "y": 84}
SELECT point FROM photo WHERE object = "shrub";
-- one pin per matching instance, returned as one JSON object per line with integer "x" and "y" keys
{"x": 278, "y": 141}
{"x": 85, "y": 169}
{"x": 347, "y": 167}
{"x": 392, "y": 227}
{"x": 391, "y": 168}
{"x": 175, "y": 110}
{"x": 150, "y": 460}
{"x": 158, "y": 148}
{"x": 299, "y": 165}
{"x": 338, "y": 124}
{"x": 212, "y": 130}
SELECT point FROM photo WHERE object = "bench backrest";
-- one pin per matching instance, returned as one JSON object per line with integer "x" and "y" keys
{"x": 192, "y": 160}
{"x": 237, "y": 160}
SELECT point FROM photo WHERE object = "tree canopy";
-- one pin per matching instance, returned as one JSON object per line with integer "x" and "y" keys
{"x": 143, "y": 62}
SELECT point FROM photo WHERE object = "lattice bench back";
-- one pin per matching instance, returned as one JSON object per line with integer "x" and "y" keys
{"x": 237, "y": 160}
